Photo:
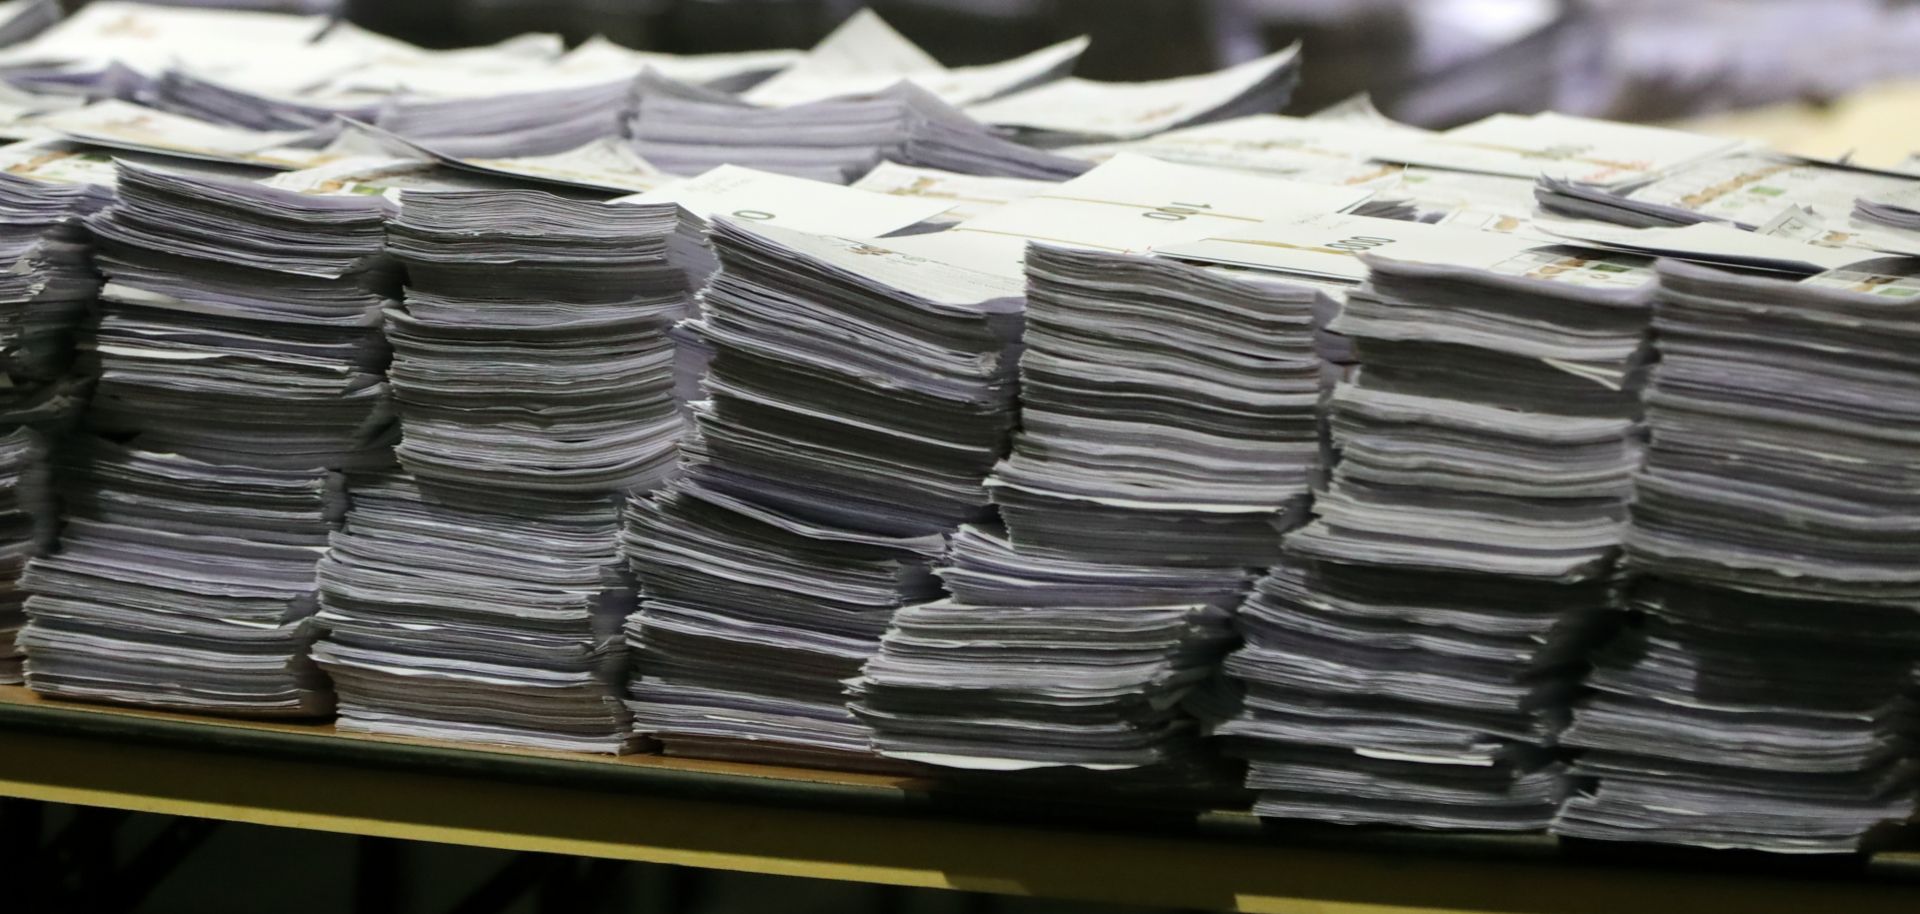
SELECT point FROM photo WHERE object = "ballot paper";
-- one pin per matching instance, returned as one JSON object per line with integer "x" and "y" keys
{"x": 1709, "y": 242}
{"x": 768, "y": 199}
{"x": 775, "y": 199}
{"x": 727, "y": 70}
{"x": 530, "y": 349}
{"x": 1268, "y": 143}
{"x": 1331, "y": 246}
{"x": 793, "y": 203}
{"x": 379, "y": 66}
{"x": 1747, "y": 190}
{"x": 482, "y": 616}
{"x": 122, "y": 125}
{"x": 688, "y": 131}
{"x": 149, "y": 36}
{"x": 1132, "y": 203}
{"x": 220, "y": 101}
{"x": 865, "y": 54}
{"x": 968, "y": 196}
{"x": 603, "y": 166}
{"x": 857, "y": 400}
{"x": 1588, "y": 151}
{"x": 536, "y": 122}
{"x": 1080, "y": 110}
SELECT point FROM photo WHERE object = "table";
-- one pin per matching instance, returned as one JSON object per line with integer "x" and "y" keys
{"x": 882, "y": 829}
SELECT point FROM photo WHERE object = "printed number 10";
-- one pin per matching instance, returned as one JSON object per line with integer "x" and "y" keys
{"x": 1175, "y": 212}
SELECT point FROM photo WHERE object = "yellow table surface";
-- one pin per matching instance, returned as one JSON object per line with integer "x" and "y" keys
{"x": 868, "y": 828}
{"x": 1880, "y": 125}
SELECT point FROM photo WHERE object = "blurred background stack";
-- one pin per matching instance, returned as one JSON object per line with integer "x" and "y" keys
{"x": 1435, "y": 63}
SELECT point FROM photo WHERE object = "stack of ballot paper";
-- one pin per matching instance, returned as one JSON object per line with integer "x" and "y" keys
{"x": 1167, "y": 412}
{"x": 1167, "y": 437}
{"x": 45, "y": 301}
{"x": 1727, "y": 719}
{"x": 532, "y": 375}
{"x": 835, "y": 140}
{"x": 242, "y": 321}
{"x": 220, "y": 102}
{"x": 1763, "y": 702}
{"x": 239, "y": 354}
{"x": 1411, "y": 660}
{"x": 857, "y": 399}
{"x": 1037, "y": 661}
{"x": 181, "y": 582}
{"x": 531, "y": 349}
{"x": 493, "y": 619}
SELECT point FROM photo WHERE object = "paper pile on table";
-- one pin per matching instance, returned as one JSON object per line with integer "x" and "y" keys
{"x": 239, "y": 354}
{"x": 242, "y": 322}
{"x": 479, "y": 596}
{"x": 490, "y": 620}
{"x": 181, "y": 583}
{"x": 1167, "y": 437}
{"x": 858, "y": 399}
{"x": 1036, "y": 662}
{"x": 45, "y": 301}
{"x": 1411, "y": 660}
{"x": 531, "y": 351}
{"x": 835, "y": 140}
{"x": 1764, "y": 702}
